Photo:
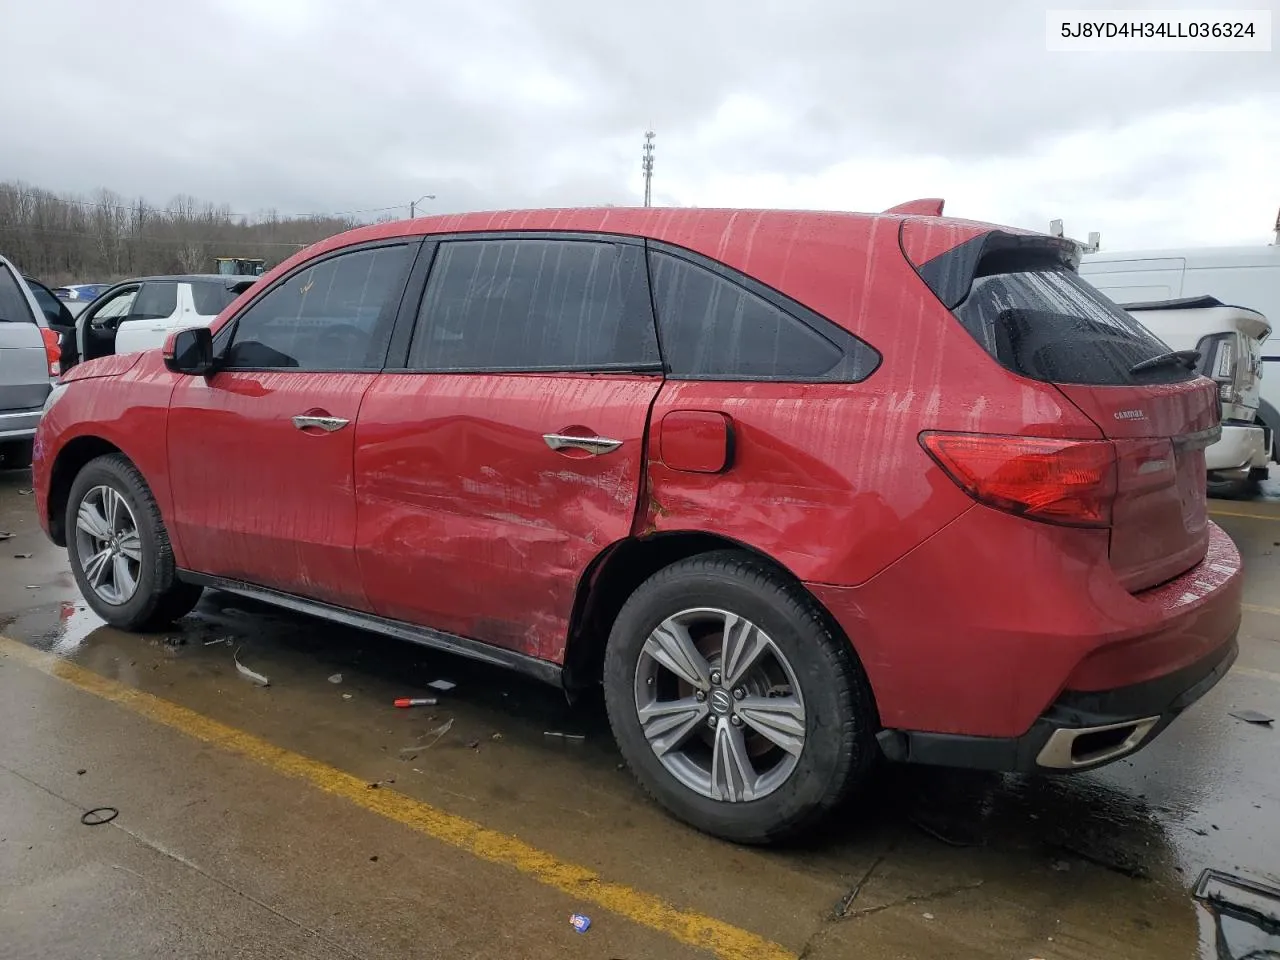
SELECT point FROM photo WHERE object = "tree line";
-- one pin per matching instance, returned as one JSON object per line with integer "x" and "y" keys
{"x": 68, "y": 238}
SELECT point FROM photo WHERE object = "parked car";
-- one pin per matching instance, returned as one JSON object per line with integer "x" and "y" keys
{"x": 1248, "y": 276}
{"x": 138, "y": 314}
{"x": 1229, "y": 341}
{"x": 798, "y": 489}
{"x": 80, "y": 292}
{"x": 29, "y": 361}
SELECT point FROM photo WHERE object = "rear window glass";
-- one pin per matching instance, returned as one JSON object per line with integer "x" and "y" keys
{"x": 1046, "y": 323}
{"x": 13, "y": 305}
{"x": 210, "y": 297}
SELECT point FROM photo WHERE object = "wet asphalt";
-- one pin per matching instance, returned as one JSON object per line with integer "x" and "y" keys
{"x": 241, "y": 831}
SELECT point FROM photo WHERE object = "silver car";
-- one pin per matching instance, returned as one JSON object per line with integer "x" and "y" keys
{"x": 29, "y": 361}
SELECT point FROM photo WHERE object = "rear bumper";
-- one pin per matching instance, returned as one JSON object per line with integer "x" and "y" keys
{"x": 1080, "y": 731}
{"x": 19, "y": 424}
{"x": 1240, "y": 449}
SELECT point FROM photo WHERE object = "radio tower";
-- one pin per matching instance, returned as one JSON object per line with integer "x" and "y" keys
{"x": 646, "y": 164}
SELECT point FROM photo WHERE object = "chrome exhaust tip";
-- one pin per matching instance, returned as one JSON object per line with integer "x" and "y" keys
{"x": 1075, "y": 747}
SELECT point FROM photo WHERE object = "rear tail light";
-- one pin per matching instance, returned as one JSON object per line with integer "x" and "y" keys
{"x": 1070, "y": 482}
{"x": 52, "y": 350}
{"x": 1220, "y": 361}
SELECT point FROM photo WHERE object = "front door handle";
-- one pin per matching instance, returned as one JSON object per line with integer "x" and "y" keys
{"x": 327, "y": 424}
{"x": 592, "y": 445}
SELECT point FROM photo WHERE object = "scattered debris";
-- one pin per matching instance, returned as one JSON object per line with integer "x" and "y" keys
{"x": 336, "y": 678}
{"x": 1253, "y": 716}
{"x": 1061, "y": 866}
{"x": 5, "y": 535}
{"x": 374, "y": 858}
{"x": 928, "y": 916}
{"x": 98, "y": 816}
{"x": 81, "y": 772}
{"x": 435, "y": 736}
{"x": 444, "y": 686}
{"x": 22, "y": 556}
{"x": 210, "y": 643}
{"x": 377, "y": 783}
{"x": 574, "y": 738}
{"x": 245, "y": 671}
{"x": 474, "y": 744}
{"x": 346, "y": 696}
{"x": 941, "y": 837}
{"x": 580, "y": 922}
{"x": 33, "y": 586}
{"x": 24, "y": 492}
{"x": 496, "y": 736}
{"x": 412, "y": 701}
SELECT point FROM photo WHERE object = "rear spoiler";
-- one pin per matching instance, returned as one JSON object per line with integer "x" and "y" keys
{"x": 950, "y": 274}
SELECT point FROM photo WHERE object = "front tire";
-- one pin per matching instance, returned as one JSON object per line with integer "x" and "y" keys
{"x": 119, "y": 549}
{"x": 733, "y": 702}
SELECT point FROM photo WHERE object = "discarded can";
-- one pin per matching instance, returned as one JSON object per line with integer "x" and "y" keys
{"x": 415, "y": 702}
{"x": 580, "y": 923}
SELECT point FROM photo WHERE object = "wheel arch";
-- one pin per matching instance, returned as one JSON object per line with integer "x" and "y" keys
{"x": 619, "y": 569}
{"x": 71, "y": 459}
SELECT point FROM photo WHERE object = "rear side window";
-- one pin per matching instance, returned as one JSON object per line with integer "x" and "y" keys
{"x": 13, "y": 304}
{"x": 335, "y": 315}
{"x": 535, "y": 305}
{"x": 713, "y": 328}
{"x": 210, "y": 297}
{"x": 156, "y": 300}
{"x": 1044, "y": 322}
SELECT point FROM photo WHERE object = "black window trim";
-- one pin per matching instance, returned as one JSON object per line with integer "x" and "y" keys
{"x": 223, "y": 338}
{"x": 411, "y": 305}
{"x": 819, "y": 325}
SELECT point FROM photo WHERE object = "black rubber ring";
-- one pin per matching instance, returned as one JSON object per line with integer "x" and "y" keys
{"x": 111, "y": 812}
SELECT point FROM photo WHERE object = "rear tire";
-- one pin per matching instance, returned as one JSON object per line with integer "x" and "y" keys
{"x": 804, "y": 685}
{"x": 16, "y": 454}
{"x": 119, "y": 549}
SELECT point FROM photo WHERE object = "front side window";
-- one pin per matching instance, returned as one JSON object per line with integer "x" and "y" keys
{"x": 335, "y": 315}
{"x": 156, "y": 300}
{"x": 713, "y": 328}
{"x": 532, "y": 305}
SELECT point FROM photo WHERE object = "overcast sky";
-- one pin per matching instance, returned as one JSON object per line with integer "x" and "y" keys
{"x": 318, "y": 106}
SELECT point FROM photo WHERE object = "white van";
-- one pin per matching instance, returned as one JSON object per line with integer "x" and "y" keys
{"x": 1228, "y": 340}
{"x": 1243, "y": 276}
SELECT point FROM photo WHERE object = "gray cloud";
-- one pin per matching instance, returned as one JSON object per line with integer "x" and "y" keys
{"x": 339, "y": 106}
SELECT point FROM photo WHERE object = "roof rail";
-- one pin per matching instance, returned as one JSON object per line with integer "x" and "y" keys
{"x": 931, "y": 207}
{"x": 1095, "y": 238}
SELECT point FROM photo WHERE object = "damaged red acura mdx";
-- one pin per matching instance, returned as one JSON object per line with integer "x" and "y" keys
{"x": 801, "y": 490}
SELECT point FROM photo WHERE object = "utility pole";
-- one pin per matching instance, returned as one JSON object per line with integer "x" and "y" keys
{"x": 646, "y": 164}
{"x": 413, "y": 204}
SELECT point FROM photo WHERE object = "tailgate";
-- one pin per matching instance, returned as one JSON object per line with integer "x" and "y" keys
{"x": 1160, "y": 524}
{"x": 24, "y": 367}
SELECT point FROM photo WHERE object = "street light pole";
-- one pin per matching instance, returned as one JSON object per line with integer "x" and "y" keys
{"x": 413, "y": 204}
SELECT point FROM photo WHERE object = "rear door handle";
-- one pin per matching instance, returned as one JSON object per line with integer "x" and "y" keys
{"x": 592, "y": 445}
{"x": 327, "y": 424}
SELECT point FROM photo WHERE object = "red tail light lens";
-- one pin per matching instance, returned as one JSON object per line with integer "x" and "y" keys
{"x": 52, "y": 350}
{"x": 1070, "y": 482}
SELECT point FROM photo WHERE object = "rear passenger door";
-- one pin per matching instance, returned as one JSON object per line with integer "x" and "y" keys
{"x": 151, "y": 316}
{"x": 508, "y": 450}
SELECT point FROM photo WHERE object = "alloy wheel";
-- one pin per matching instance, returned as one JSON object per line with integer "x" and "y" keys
{"x": 108, "y": 545}
{"x": 719, "y": 704}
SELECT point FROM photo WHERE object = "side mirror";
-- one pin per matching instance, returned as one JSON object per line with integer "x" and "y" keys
{"x": 189, "y": 351}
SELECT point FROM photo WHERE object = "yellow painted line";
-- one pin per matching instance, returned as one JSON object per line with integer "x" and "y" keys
{"x": 1258, "y": 608}
{"x": 695, "y": 929}
{"x": 1241, "y": 513}
{"x": 1255, "y": 672}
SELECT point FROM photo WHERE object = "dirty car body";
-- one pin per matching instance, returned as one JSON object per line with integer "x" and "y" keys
{"x": 798, "y": 488}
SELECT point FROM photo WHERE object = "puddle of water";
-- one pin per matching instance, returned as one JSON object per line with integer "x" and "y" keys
{"x": 1239, "y": 918}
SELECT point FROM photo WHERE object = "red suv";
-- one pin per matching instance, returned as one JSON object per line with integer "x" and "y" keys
{"x": 801, "y": 490}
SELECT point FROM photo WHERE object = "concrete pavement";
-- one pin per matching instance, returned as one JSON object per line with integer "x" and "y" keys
{"x": 249, "y": 821}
